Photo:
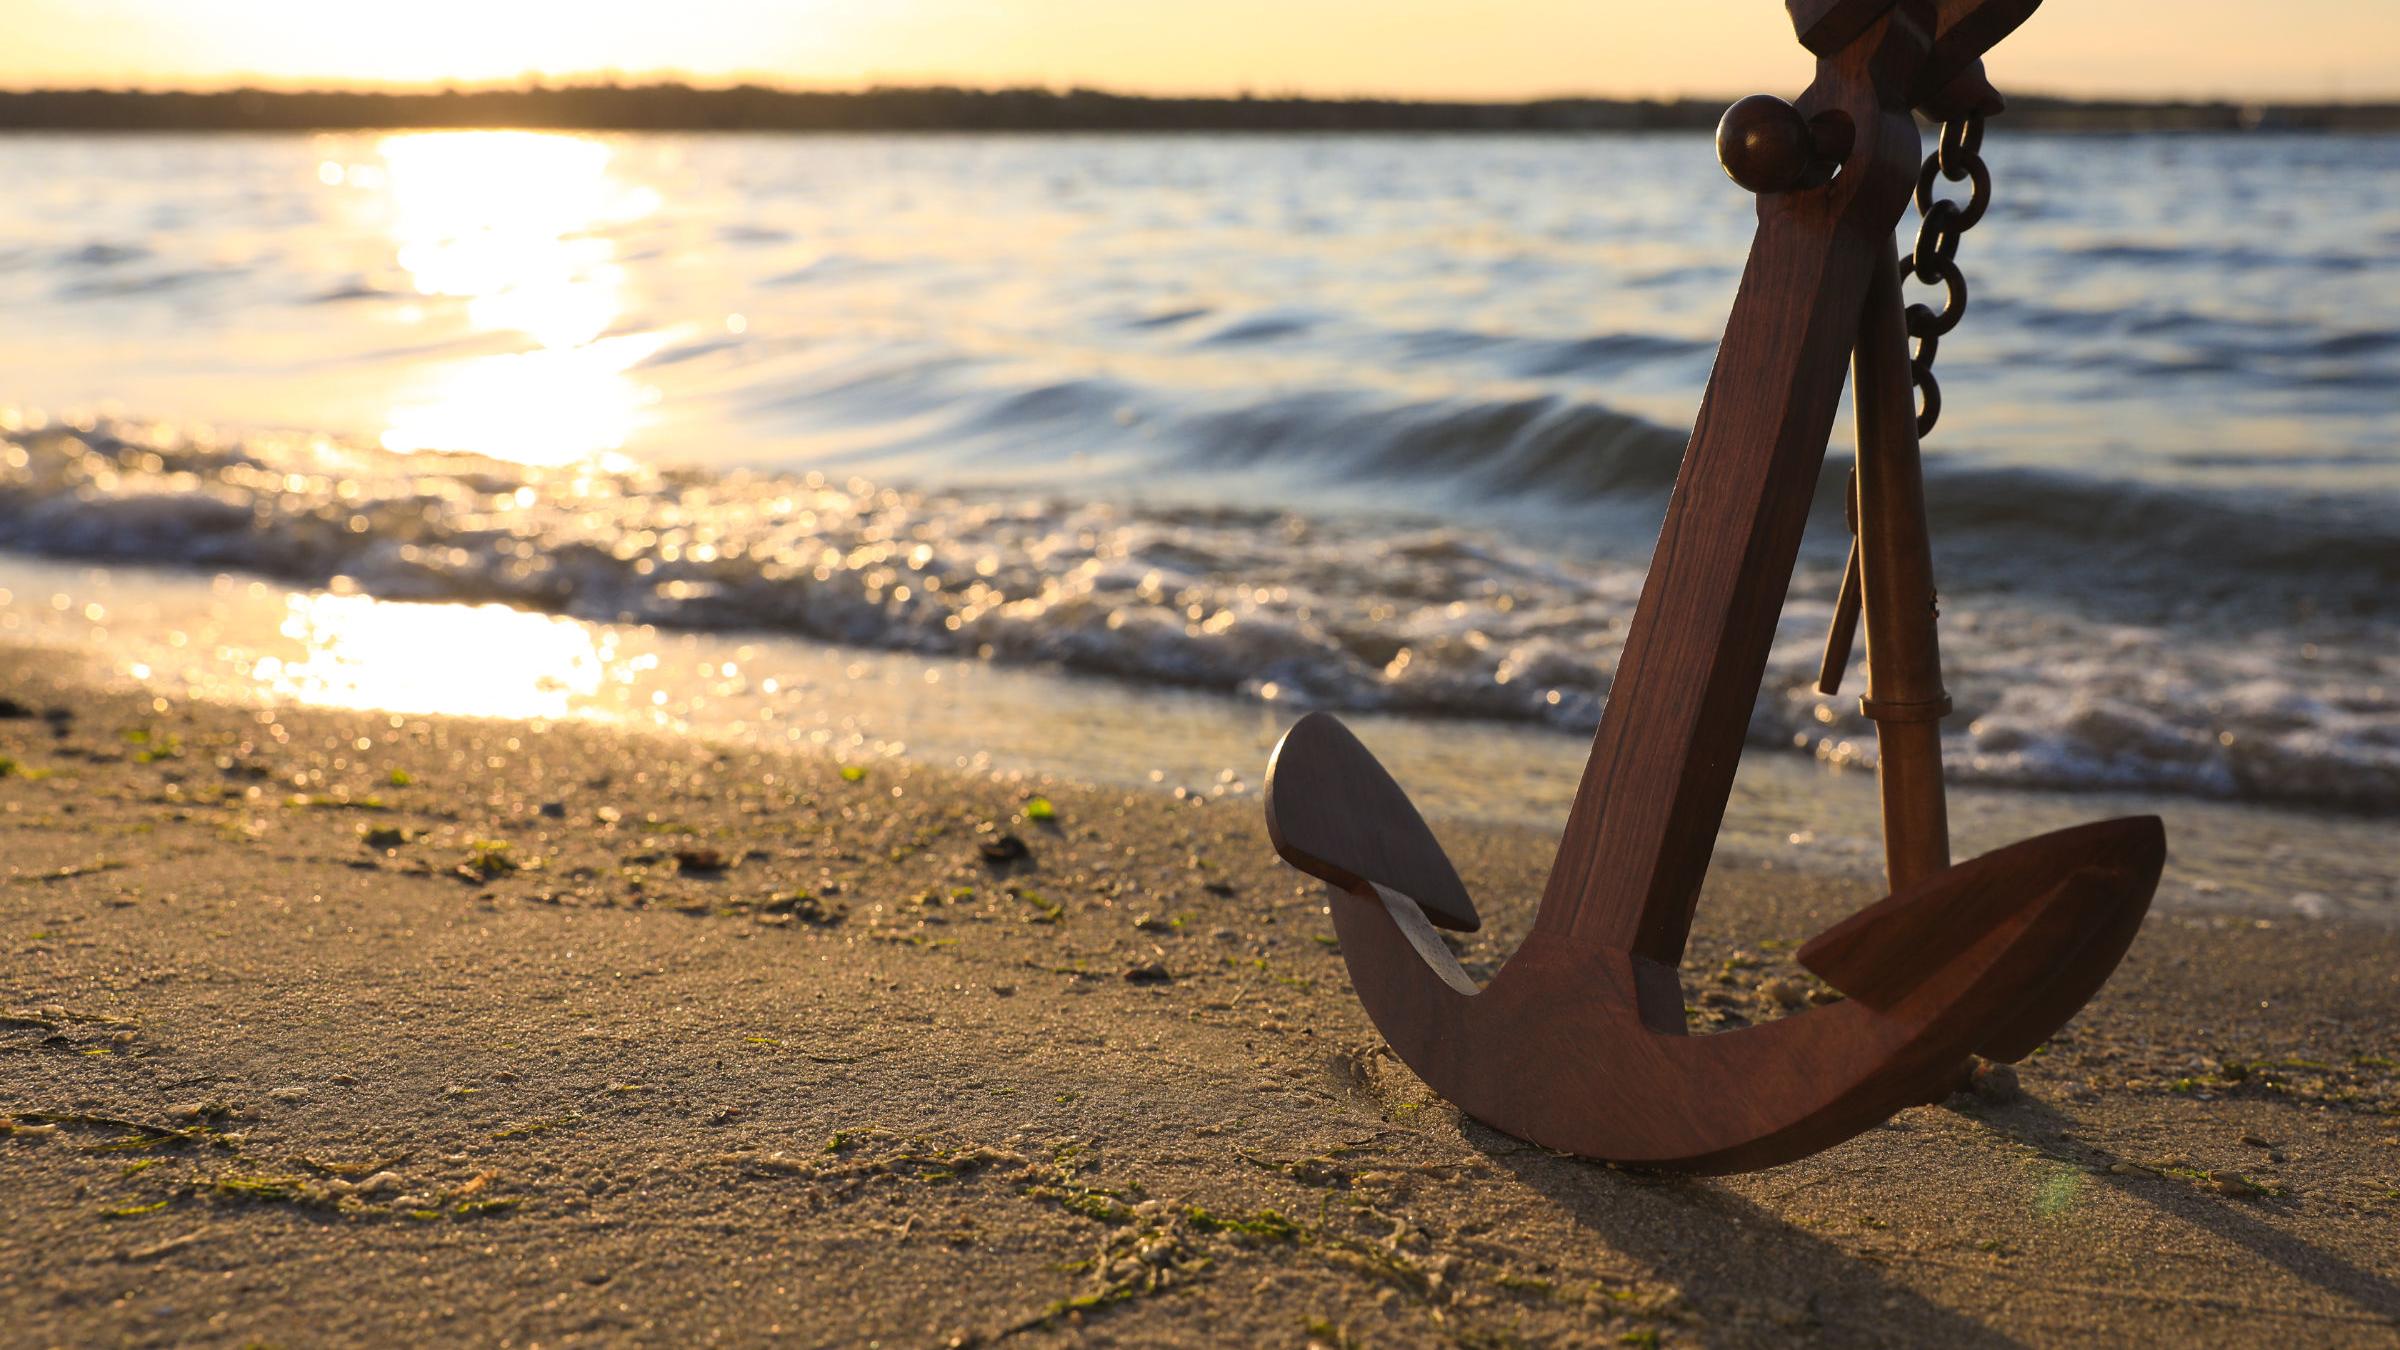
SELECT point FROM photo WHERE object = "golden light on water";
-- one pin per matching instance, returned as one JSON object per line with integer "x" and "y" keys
{"x": 516, "y": 224}
{"x": 354, "y": 651}
{"x": 549, "y": 406}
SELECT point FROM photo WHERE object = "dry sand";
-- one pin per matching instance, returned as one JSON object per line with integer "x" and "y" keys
{"x": 324, "y": 1030}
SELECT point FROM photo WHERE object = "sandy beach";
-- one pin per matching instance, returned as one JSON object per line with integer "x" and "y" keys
{"x": 326, "y": 1027}
{"x": 639, "y": 651}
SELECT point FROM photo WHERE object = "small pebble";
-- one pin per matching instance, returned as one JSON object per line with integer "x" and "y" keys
{"x": 1149, "y": 972}
{"x": 554, "y": 810}
{"x": 1782, "y": 993}
{"x": 289, "y": 1095}
{"x": 1006, "y": 848}
{"x": 2232, "y": 1183}
{"x": 1995, "y": 1084}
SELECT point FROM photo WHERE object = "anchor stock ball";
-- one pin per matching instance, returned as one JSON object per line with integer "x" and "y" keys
{"x": 1767, "y": 146}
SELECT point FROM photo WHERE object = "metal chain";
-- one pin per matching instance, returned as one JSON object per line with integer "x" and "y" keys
{"x": 1934, "y": 261}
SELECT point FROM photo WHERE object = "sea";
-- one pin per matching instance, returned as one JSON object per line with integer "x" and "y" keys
{"x": 1106, "y": 456}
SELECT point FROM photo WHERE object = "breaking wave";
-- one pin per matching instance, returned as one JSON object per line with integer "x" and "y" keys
{"x": 2294, "y": 695}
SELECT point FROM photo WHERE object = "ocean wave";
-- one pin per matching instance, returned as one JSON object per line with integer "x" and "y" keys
{"x": 2142, "y": 546}
{"x": 1350, "y": 612}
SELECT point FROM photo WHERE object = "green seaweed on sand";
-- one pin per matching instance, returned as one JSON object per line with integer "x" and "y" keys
{"x": 1375, "y": 1261}
{"x": 266, "y": 1188}
{"x": 490, "y": 858}
{"x": 135, "y": 1211}
{"x": 1266, "y": 1224}
{"x": 1526, "y": 1284}
{"x": 843, "y": 1140}
{"x": 1329, "y": 1170}
{"x": 1099, "y": 1206}
{"x": 1325, "y": 1331}
{"x": 12, "y": 767}
{"x": 1045, "y": 909}
{"x": 1132, "y": 1262}
{"x": 138, "y": 1134}
{"x": 1041, "y": 809}
{"x": 1062, "y": 1185}
{"x": 152, "y": 746}
{"x": 499, "y": 1204}
{"x": 805, "y": 907}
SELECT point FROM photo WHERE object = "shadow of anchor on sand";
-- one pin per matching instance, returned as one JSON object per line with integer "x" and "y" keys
{"x": 2039, "y": 1124}
{"x": 1754, "y": 1274}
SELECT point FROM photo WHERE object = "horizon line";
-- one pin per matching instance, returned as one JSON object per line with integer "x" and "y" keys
{"x": 534, "y": 84}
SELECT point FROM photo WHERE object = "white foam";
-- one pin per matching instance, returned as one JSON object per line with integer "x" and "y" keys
{"x": 1342, "y": 612}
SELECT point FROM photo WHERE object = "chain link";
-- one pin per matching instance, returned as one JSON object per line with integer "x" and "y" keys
{"x": 1942, "y": 223}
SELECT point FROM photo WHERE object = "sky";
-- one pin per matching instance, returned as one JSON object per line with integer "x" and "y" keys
{"x": 2240, "y": 49}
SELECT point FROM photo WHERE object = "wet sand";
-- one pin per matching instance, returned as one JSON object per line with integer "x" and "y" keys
{"x": 322, "y": 1029}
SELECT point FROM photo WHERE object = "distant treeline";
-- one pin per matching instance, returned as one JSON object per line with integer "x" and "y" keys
{"x": 680, "y": 107}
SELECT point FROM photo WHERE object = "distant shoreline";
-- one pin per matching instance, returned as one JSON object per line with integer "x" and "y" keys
{"x": 754, "y": 108}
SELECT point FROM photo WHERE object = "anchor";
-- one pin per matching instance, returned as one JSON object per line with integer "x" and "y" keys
{"x": 1578, "y": 1043}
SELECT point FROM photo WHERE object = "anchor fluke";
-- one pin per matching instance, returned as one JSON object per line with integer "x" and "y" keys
{"x": 2070, "y": 902}
{"x": 1335, "y": 814}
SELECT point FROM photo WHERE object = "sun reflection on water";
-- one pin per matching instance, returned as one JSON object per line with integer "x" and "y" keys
{"x": 517, "y": 225}
{"x": 463, "y": 660}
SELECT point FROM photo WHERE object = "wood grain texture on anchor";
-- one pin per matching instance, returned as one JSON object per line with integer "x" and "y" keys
{"x": 1579, "y": 1041}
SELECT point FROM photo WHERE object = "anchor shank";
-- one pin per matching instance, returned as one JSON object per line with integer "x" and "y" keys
{"x": 1904, "y": 658}
{"x": 1646, "y": 815}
